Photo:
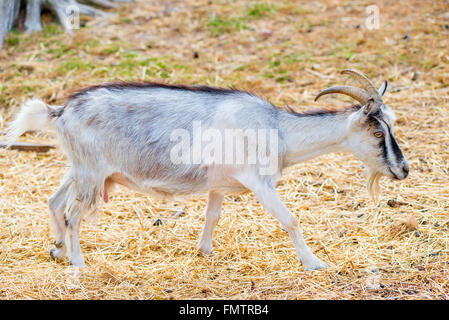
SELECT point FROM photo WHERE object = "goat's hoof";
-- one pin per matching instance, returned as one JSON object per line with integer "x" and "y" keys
{"x": 56, "y": 254}
{"x": 78, "y": 263}
{"x": 315, "y": 264}
{"x": 58, "y": 244}
{"x": 207, "y": 251}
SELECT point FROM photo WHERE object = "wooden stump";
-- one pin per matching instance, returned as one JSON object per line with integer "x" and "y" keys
{"x": 9, "y": 12}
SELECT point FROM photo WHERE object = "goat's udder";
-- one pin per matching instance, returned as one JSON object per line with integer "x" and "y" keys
{"x": 105, "y": 195}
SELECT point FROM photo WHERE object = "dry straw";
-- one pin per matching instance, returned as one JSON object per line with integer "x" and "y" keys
{"x": 395, "y": 249}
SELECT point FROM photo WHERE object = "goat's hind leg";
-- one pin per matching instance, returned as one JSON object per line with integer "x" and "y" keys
{"x": 57, "y": 206}
{"x": 83, "y": 202}
{"x": 72, "y": 238}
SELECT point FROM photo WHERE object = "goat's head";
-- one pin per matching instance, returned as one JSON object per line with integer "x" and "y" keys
{"x": 371, "y": 137}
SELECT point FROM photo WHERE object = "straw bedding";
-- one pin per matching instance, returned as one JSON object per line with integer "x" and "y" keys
{"x": 285, "y": 52}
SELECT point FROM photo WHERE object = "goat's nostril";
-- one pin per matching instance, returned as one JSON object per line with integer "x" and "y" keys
{"x": 406, "y": 169}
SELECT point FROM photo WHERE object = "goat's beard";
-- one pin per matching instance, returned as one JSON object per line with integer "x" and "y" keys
{"x": 373, "y": 184}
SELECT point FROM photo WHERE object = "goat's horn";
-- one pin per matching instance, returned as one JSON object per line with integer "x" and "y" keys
{"x": 356, "y": 93}
{"x": 364, "y": 81}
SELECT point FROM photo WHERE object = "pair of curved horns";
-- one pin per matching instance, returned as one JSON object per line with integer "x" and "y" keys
{"x": 369, "y": 91}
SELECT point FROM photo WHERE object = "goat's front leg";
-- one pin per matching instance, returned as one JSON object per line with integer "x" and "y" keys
{"x": 212, "y": 213}
{"x": 270, "y": 200}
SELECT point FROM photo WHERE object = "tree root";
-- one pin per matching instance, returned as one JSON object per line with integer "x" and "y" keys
{"x": 65, "y": 10}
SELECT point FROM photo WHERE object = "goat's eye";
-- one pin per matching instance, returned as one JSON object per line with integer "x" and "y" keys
{"x": 379, "y": 134}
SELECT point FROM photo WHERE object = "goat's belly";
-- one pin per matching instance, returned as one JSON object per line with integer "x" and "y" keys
{"x": 167, "y": 189}
{"x": 152, "y": 186}
{"x": 171, "y": 188}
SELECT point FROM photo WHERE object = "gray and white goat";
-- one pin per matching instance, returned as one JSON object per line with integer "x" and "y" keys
{"x": 123, "y": 133}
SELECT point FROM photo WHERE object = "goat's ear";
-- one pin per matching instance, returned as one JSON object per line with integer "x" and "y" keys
{"x": 358, "y": 118}
{"x": 370, "y": 106}
{"x": 383, "y": 88}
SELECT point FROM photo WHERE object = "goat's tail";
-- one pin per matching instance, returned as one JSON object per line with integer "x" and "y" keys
{"x": 34, "y": 114}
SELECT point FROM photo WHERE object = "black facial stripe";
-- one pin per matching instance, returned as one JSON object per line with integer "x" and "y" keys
{"x": 396, "y": 150}
{"x": 398, "y": 155}
{"x": 383, "y": 147}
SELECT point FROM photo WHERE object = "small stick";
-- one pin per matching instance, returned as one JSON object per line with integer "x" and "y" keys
{"x": 24, "y": 146}
{"x": 178, "y": 213}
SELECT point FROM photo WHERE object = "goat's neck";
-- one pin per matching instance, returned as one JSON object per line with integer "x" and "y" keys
{"x": 311, "y": 135}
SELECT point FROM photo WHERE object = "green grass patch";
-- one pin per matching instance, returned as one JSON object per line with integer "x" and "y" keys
{"x": 52, "y": 29}
{"x": 260, "y": 9}
{"x": 218, "y": 25}
{"x": 344, "y": 50}
{"x": 111, "y": 49}
{"x": 280, "y": 64}
{"x": 13, "y": 40}
{"x": 126, "y": 20}
{"x": 75, "y": 64}
{"x": 61, "y": 50}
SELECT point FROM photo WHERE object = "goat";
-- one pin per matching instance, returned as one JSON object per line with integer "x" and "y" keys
{"x": 123, "y": 133}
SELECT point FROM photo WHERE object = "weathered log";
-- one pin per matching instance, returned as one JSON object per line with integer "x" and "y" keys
{"x": 9, "y": 12}
{"x": 24, "y": 146}
{"x": 33, "y": 16}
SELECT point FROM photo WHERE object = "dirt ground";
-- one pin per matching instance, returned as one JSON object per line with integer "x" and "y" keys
{"x": 286, "y": 52}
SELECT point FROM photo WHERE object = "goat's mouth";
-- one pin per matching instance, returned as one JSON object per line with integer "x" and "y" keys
{"x": 393, "y": 175}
